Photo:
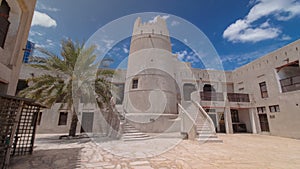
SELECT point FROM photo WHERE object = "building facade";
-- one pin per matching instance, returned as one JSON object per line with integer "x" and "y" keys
{"x": 15, "y": 22}
{"x": 260, "y": 97}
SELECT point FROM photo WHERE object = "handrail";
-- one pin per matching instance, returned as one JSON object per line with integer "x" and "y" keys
{"x": 185, "y": 112}
{"x": 212, "y": 126}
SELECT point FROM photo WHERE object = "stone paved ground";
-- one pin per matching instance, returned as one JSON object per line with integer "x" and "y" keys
{"x": 238, "y": 151}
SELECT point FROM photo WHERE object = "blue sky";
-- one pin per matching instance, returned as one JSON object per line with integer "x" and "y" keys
{"x": 240, "y": 30}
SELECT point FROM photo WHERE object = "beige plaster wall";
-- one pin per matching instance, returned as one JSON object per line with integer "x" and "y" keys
{"x": 12, "y": 54}
{"x": 286, "y": 122}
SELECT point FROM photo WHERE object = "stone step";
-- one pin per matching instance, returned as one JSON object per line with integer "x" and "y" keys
{"x": 129, "y": 128}
{"x": 208, "y": 136}
{"x": 136, "y": 139}
{"x": 130, "y": 133}
{"x": 203, "y": 128}
{"x": 198, "y": 124}
{"x": 204, "y": 131}
{"x": 210, "y": 140}
{"x": 134, "y": 134}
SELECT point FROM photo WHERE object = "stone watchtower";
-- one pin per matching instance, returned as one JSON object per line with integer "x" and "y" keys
{"x": 151, "y": 92}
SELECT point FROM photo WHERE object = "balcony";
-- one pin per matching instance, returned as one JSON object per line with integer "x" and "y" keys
{"x": 290, "y": 84}
{"x": 238, "y": 97}
{"x": 212, "y": 96}
{"x": 218, "y": 96}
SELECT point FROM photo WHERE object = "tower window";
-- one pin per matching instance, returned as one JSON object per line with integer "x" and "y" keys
{"x": 4, "y": 23}
{"x": 135, "y": 83}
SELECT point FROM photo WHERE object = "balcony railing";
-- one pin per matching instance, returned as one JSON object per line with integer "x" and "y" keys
{"x": 290, "y": 84}
{"x": 212, "y": 96}
{"x": 218, "y": 96}
{"x": 238, "y": 97}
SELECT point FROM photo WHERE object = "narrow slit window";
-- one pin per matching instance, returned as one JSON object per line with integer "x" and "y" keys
{"x": 135, "y": 83}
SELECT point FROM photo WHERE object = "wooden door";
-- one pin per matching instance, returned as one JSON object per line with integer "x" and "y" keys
{"x": 264, "y": 124}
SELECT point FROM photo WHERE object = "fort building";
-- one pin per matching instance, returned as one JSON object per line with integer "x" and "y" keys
{"x": 158, "y": 93}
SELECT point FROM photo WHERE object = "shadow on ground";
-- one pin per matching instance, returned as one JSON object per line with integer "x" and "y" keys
{"x": 46, "y": 159}
{"x": 63, "y": 139}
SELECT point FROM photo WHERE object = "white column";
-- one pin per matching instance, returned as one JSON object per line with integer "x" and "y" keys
{"x": 228, "y": 122}
{"x": 252, "y": 119}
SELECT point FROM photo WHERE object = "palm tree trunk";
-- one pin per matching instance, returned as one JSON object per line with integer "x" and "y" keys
{"x": 72, "y": 131}
{"x": 113, "y": 120}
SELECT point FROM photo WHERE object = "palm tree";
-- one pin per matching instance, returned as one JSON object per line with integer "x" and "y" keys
{"x": 72, "y": 76}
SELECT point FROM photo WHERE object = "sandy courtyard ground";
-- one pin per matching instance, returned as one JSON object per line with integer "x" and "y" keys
{"x": 237, "y": 151}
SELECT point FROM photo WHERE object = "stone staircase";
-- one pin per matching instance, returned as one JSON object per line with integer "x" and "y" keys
{"x": 130, "y": 133}
{"x": 204, "y": 131}
{"x": 204, "y": 125}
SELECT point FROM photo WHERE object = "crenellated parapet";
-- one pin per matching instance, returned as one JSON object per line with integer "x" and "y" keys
{"x": 153, "y": 34}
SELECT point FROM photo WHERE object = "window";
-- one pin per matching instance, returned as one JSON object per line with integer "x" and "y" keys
{"x": 63, "y": 116}
{"x": 263, "y": 89}
{"x": 135, "y": 83}
{"x": 261, "y": 110}
{"x": 4, "y": 23}
{"x": 274, "y": 108}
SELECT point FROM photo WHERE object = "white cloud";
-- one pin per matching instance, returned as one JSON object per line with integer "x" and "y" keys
{"x": 165, "y": 17}
{"x": 35, "y": 33}
{"x": 41, "y": 6}
{"x": 181, "y": 54}
{"x": 265, "y": 24}
{"x": 42, "y": 19}
{"x": 50, "y": 42}
{"x": 245, "y": 30}
{"x": 108, "y": 43}
{"x": 174, "y": 23}
{"x": 188, "y": 56}
{"x": 125, "y": 50}
{"x": 243, "y": 58}
{"x": 286, "y": 37}
{"x": 37, "y": 45}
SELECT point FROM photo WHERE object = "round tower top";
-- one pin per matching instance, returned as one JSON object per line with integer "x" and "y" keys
{"x": 157, "y": 26}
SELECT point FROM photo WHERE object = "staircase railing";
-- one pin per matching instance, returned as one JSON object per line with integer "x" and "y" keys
{"x": 205, "y": 115}
{"x": 188, "y": 123}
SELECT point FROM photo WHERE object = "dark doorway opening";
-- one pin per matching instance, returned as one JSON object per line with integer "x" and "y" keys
{"x": 264, "y": 124}
{"x": 87, "y": 122}
{"x": 208, "y": 88}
